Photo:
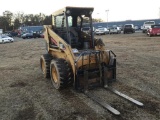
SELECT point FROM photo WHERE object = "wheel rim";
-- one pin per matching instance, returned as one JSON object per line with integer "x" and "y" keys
{"x": 43, "y": 66}
{"x": 54, "y": 74}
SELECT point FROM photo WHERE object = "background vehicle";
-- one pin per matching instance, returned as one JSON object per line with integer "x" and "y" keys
{"x": 77, "y": 58}
{"x": 147, "y": 25}
{"x": 136, "y": 28}
{"x": 88, "y": 29}
{"x": 154, "y": 30}
{"x": 7, "y": 33}
{"x": 1, "y": 31}
{"x": 114, "y": 30}
{"x": 101, "y": 30}
{"x": 13, "y": 34}
{"x": 42, "y": 35}
{"x": 27, "y": 35}
{"x": 128, "y": 28}
{"x": 4, "y": 39}
{"x": 36, "y": 34}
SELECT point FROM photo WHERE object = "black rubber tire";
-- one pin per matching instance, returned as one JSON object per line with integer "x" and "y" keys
{"x": 63, "y": 73}
{"x": 45, "y": 60}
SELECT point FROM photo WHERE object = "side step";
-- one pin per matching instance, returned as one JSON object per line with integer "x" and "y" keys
{"x": 102, "y": 103}
{"x": 124, "y": 96}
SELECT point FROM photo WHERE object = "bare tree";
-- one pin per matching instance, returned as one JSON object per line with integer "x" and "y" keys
{"x": 20, "y": 16}
{"x": 8, "y": 15}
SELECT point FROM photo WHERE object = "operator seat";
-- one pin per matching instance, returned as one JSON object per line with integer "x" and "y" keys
{"x": 74, "y": 37}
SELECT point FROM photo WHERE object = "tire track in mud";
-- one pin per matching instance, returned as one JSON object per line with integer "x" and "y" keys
{"x": 41, "y": 110}
{"x": 71, "y": 106}
{"x": 81, "y": 108}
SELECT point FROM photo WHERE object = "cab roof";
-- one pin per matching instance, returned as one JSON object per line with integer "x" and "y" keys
{"x": 74, "y": 11}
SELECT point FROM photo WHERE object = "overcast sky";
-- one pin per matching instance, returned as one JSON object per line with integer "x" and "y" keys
{"x": 118, "y": 9}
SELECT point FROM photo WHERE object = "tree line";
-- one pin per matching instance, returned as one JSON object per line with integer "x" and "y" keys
{"x": 10, "y": 21}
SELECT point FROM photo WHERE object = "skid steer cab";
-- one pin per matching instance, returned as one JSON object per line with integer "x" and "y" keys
{"x": 75, "y": 57}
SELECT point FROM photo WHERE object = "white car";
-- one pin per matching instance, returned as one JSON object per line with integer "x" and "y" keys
{"x": 4, "y": 39}
{"x": 87, "y": 29}
{"x": 147, "y": 25}
{"x": 115, "y": 30}
{"x": 102, "y": 30}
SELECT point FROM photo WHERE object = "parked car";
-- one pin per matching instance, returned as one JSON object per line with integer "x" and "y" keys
{"x": 7, "y": 34}
{"x": 88, "y": 29}
{"x": 42, "y": 35}
{"x": 154, "y": 30}
{"x": 147, "y": 25}
{"x": 20, "y": 34}
{"x": 136, "y": 28}
{"x": 36, "y": 34}
{"x": 114, "y": 30}
{"x": 101, "y": 30}
{"x": 4, "y": 39}
{"x": 13, "y": 34}
{"x": 128, "y": 28}
{"x": 27, "y": 35}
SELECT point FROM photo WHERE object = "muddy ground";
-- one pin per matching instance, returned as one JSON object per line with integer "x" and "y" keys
{"x": 26, "y": 95}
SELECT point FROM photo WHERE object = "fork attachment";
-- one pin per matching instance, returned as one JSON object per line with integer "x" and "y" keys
{"x": 103, "y": 75}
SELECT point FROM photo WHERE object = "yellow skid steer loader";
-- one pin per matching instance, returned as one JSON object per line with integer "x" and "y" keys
{"x": 75, "y": 57}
